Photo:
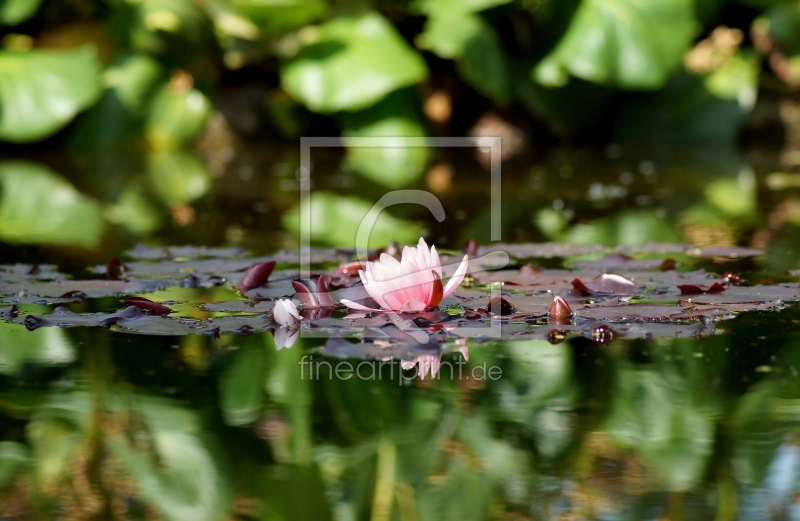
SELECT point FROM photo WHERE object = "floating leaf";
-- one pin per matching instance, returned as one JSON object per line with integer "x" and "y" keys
{"x": 63, "y": 317}
{"x": 42, "y": 90}
{"x": 351, "y": 64}
{"x": 142, "y": 252}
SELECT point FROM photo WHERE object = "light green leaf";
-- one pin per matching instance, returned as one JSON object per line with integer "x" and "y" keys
{"x": 178, "y": 176}
{"x": 39, "y": 207}
{"x": 176, "y": 117}
{"x": 351, "y": 64}
{"x": 241, "y": 385}
{"x": 432, "y": 7}
{"x": 179, "y": 475}
{"x": 133, "y": 79}
{"x": 396, "y": 164}
{"x": 279, "y": 15}
{"x": 736, "y": 80}
{"x": 632, "y": 44}
{"x": 44, "y": 346}
{"x": 335, "y": 220}
{"x": 13, "y": 458}
{"x": 658, "y": 417}
{"x": 119, "y": 114}
{"x": 13, "y": 12}
{"x": 134, "y": 211}
{"x": 631, "y": 227}
{"x": 42, "y": 90}
{"x": 473, "y": 43}
{"x": 54, "y": 442}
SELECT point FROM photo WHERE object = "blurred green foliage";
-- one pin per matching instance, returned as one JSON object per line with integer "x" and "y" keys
{"x": 659, "y": 425}
{"x": 672, "y": 69}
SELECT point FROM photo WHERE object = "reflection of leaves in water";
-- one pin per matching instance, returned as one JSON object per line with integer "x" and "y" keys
{"x": 335, "y": 221}
{"x": 13, "y": 458}
{"x": 180, "y": 475}
{"x": 38, "y": 206}
{"x": 178, "y": 176}
{"x": 241, "y": 385}
{"x": 47, "y": 346}
{"x": 655, "y": 413}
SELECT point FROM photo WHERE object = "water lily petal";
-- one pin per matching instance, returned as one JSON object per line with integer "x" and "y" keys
{"x": 457, "y": 277}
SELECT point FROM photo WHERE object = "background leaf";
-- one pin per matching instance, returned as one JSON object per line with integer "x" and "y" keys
{"x": 13, "y": 12}
{"x": 395, "y": 117}
{"x": 38, "y": 206}
{"x": 632, "y": 44}
{"x": 351, "y": 64}
{"x": 42, "y": 90}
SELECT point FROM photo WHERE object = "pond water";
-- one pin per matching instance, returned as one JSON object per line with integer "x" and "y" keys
{"x": 661, "y": 397}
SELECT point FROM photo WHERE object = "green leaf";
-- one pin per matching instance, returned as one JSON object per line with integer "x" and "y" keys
{"x": 335, "y": 220}
{"x": 632, "y": 44}
{"x": 631, "y": 227}
{"x": 396, "y": 164}
{"x": 783, "y": 23}
{"x": 432, "y": 7}
{"x": 119, "y": 114}
{"x": 565, "y": 110}
{"x": 279, "y": 15}
{"x": 657, "y": 416}
{"x": 178, "y": 176}
{"x": 692, "y": 110}
{"x": 473, "y": 43}
{"x": 176, "y": 116}
{"x": 39, "y": 207}
{"x": 133, "y": 80}
{"x": 13, "y": 12}
{"x": 351, "y": 64}
{"x": 42, "y": 90}
{"x": 294, "y": 492}
{"x": 241, "y": 386}
{"x": 134, "y": 211}
{"x": 179, "y": 473}
{"x": 44, "y": 346}
{"x": 13, "y": 458}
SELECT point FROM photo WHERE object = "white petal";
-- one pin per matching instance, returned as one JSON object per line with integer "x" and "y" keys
{"x": 352, "y": 305}
{"x": 456, "y": 279}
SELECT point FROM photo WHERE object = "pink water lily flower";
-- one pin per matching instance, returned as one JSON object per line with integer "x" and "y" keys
{"x": 410, "y": 285}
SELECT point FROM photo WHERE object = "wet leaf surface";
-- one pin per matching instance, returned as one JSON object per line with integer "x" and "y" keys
{"x": 616, "y": 293}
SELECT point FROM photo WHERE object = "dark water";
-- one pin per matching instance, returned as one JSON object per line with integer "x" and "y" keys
{"x": 101, "y": 424}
